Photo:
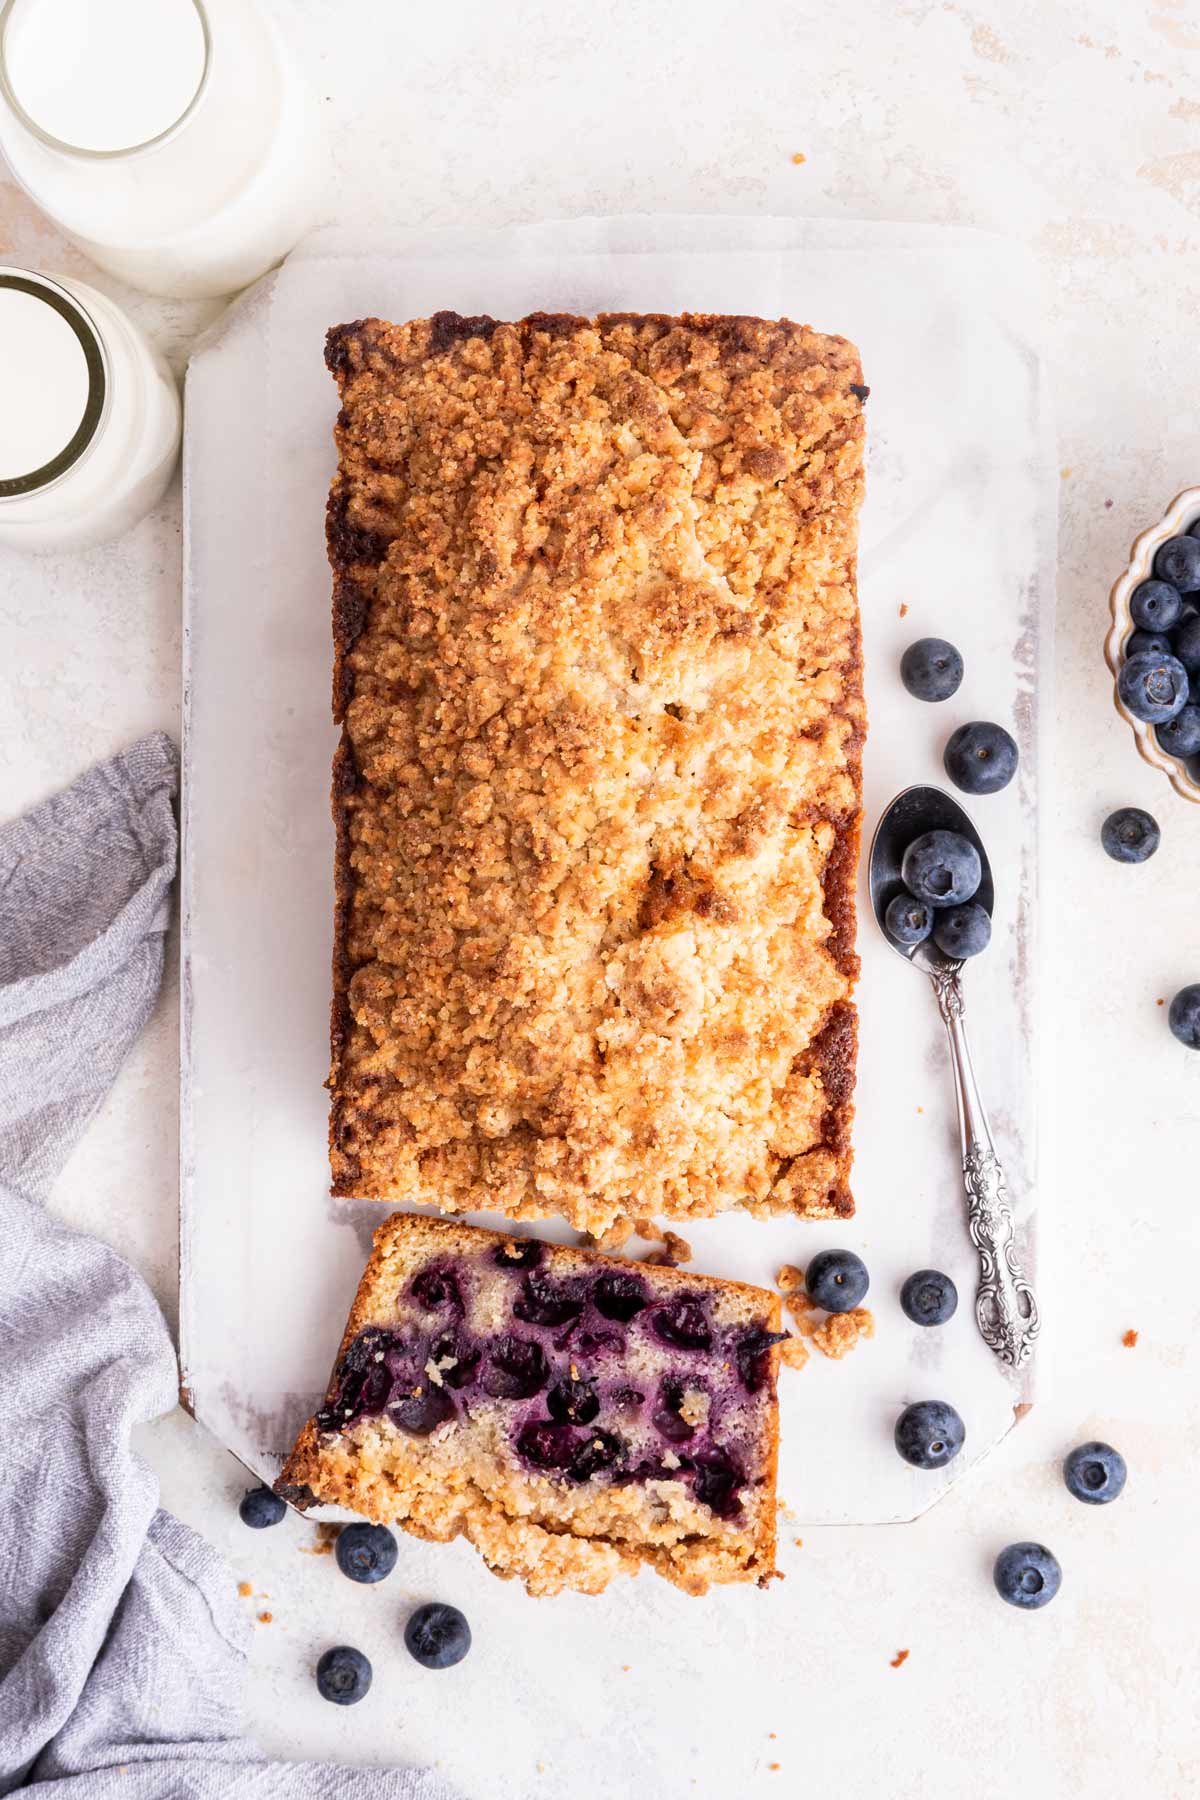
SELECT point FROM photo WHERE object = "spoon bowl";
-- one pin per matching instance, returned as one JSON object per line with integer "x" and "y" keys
{"x": 910, "y": 815}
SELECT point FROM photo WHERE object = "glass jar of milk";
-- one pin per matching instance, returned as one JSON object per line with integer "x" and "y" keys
{"x": 175, "y": 140}
{"x": 89, "y": 416}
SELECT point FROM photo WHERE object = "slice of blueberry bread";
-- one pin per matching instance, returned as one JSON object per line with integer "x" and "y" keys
{"x": 574, "y": 1416}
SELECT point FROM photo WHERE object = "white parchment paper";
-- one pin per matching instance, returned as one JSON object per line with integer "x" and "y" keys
{"x": 957, "y": 539}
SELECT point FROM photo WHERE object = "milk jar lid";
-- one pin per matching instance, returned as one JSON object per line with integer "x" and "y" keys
{"x": 54, "y": 384}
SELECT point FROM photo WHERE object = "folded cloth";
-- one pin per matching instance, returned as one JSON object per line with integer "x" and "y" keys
{"x": 122, "y": 1648}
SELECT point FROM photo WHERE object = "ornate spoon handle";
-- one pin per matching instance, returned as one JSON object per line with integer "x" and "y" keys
{"x": 1005, "y": 1307}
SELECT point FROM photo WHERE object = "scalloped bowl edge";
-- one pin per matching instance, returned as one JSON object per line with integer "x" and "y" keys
{"x": 1184, "y": 509}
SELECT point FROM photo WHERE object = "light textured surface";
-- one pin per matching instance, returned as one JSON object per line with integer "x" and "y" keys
{"x": 1074, "y": 128}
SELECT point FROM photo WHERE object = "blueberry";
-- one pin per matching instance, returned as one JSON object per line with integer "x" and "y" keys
{"x": 1184, "y": 1016}
{"x": 908, "y": 921}
{"x": 1095, "y": 1473}
{"x": 343, "y": 1675}
{"x": 1027, "y": 1575}
{"x": 519, "y": 1253}
{"x": 457, "y": 1358}
{"x": 434, "y": 1288}
{"x": 751, "y": 1353}
{"x": 684, "y": 1323}
{"x": 259, "y": 1507}
{"x": 572, "y": 1401}
{"x": 1185, "y": 643}
{"x": 963, "y": 930}
{"x": 546, "y": 1445}
{"x": 366, "y": 1553}
{"x": 1154, "y": 688}
{"x": 423, "y": 1409}
{"x": 619, "y": 1296}
{"x": 1154, "y": 605}
{"x": 929, "y": 1434}
{"x": 544, "y": 1302}
{"x": 931, "y": 669}
{"x": 516, "y": 1369}
{"x": 1130, "y": 835}
{"x": 667, "y": 1417}
{"x": 837, "y": 1280}
{"x": 942, "y": 867}
{"x": 1138, "y": 642}
{"x": 1180, "y": 736}
{"x": 717, "y": 1481}
{"x": 929, "y": 1297}
{"x": 437, "y": 1636}
{"x": 980, "y": 758}
{"x": 1178, "y": 561}
{"x": 599, "y": 1452}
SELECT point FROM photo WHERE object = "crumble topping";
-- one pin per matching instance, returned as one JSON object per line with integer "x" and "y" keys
{"x": 599, "y": 790}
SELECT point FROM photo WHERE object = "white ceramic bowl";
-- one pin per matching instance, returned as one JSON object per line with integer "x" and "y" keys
{"x": 1183, "y": 511}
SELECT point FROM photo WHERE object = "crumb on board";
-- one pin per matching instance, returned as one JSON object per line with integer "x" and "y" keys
{"x": 920, "y": 1109}
{"x": 904, "y": 609}
{"x": 789, "y": 1277}
{"x": 784, "y": 1510}
{"x": 798, "y": 156}
{"x": 1065, "y": 474}
{"x": 674, "y": 1249}
{"x": 245, "y": 1589}
{"x": 772, "y": 1765}
{"x": 615, "y": 1238}
{"x": 327, "y": 1537}
{"x": 772, "y": 1734}
{"x": 1107, "y": 505}
{"x": 799, "y": 1543}
{"x": 1160, "y": 1003}
{"x": 266, "y": 1618}
{"x": 1130, "y": 1338}
{"x": 901, "y": 1656}
{"x": 841, "y": 1331}
{"x": 625, "y": 1668}
{"x": 793, "y": 1353}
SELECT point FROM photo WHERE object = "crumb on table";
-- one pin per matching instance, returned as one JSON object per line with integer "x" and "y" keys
{"x": 904, "y": 609}
{"x": 266, "y": 1618}
{"x": 793, "y": 1353}
{"x": 1130, "y": 1338}
{"x": 841, "y": 1331}
{"x": 799, "y": 1543}
{"x": 245, "y": 1589}
{"x": 798, "y": 156}
{"x": 784, "y": 1510}
{"x": 327, "y": 1536}
{"x": 901, "y": 1656}
{"x": 772, "y": 1765}
{"x": 674, "y": 1249}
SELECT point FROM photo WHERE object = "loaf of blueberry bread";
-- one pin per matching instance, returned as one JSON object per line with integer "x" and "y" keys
{"x": 598, "y": 793}
{"x": 574, "y": 1416}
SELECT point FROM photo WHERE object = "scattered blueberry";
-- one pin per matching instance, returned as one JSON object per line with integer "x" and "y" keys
{"x": 1180, "y": 736}
{"x": 1185, "y": 642}
{"x": 929, "y": 1434}
{"x": 343, "y": 1675}
{"x": 259, "y": 1507}
{"x": 1027, "y": 1575}
{"x": 1178, "y": 561}
{"x": 1095, "y": 1473}
{"x": 931, "y": 669}
{"x": 1155, "y": 605}
{"x": 619, "y": 1296}
{"x": 366, "y": 1553}
{"x": 837, "y": 1280}
{"x": 980, "y": 758}
{"x": 1184, "y": 1016}
{"x": 908, "y": 921}
{"x": 929, "y": 1297}
{"x": 1130, "y": 835}
{"x": 1154, "y": 688}
{"x": 1138, "y": 642}
{"x": 437, "y": 1636}
{"x": 963, "y": 930}
{"x": 942, "y": 867}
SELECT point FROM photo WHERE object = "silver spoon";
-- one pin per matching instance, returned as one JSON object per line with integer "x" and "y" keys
{"x": 1005, "y": 1307}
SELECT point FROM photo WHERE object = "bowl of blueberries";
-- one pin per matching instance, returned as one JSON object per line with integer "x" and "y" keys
{"x": 1153, "y": 644}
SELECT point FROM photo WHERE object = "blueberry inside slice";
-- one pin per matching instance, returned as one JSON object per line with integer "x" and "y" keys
{"x": 599, "y": 1452}
{"x": 544, "y": 1302}
{"x": 684, "y": 1323}
{"x": 751, "y": 1355}
{"x": 519, "y": 1253}
{"x": 516, "y": 1369}
{"x": 619, "y": 1296}
{"x": 667, "y": 1416}
{"x": 716, "y": 1482}
{"x": 547, "y": 1445}
{"x": 434, "y": 1288}
{"x": 461, "y": 1359}
{"x": 422, "y": 1411}
{"x": 573, "y": 1402}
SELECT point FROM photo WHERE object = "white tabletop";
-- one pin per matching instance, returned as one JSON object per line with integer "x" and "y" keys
{"x": 1074, "y": 130}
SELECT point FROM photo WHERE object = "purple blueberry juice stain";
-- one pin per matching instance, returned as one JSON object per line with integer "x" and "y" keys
{"x": 566, "y": 1350}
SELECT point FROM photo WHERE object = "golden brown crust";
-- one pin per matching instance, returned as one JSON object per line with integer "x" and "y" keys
{"x": 525, "y": 1527}
{"x": 518, "y": 510}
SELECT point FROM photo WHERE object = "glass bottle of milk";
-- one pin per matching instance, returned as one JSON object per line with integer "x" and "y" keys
{"x": 89, "y": 415}
{"x": 175, "y": 140}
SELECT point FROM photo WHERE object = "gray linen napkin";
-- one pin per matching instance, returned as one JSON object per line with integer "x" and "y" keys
{"x": 122, "y": 1648}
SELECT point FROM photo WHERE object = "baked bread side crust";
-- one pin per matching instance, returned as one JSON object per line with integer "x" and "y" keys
{"x": 521, "y": 1167}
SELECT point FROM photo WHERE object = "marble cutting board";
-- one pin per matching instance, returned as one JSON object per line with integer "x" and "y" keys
{"x": 957, "y": 536}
